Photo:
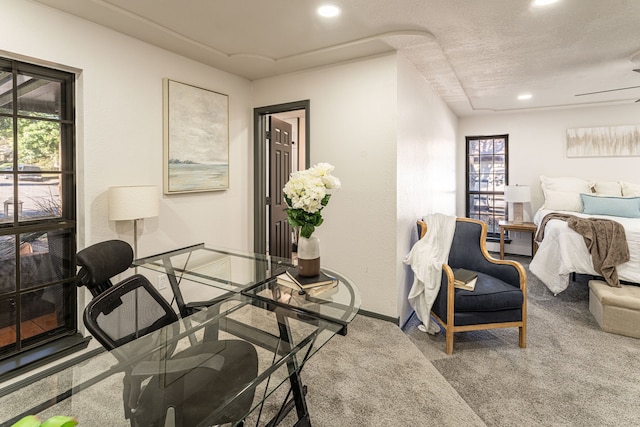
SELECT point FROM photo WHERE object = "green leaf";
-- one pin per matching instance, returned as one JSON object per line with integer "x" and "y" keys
{"x": 60, "y": 421}
{"x": 305, "y": 220}
{"x": 307, "y": 230}
{"x": 28, "y": 421}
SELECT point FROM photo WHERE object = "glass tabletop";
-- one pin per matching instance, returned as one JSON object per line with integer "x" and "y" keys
{"x": 253, "y": 275}
{"x": 339, "y": 304}
{"x": 92, "y": 390}
{"x": 226, "y": 269}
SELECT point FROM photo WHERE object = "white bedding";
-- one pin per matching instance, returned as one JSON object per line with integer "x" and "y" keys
{"x": 563, "y": 251}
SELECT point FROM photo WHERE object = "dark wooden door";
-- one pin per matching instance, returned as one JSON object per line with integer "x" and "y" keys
{"x": 279, "y": 170}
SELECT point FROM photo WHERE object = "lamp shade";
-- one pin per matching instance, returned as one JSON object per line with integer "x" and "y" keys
{"x": 133, "y": 202}
{"x": 517, "y": 193}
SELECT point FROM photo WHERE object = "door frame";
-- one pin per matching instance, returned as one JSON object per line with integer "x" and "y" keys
{"x": 260, "y": 164}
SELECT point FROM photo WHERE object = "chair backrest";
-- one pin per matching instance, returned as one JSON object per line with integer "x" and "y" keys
{"x": 128, "y": 310}
{"x": 466, "y": 247}
{"x": 102, "y": 261}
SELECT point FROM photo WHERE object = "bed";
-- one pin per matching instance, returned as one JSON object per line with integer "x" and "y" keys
{"x": 563, "y": 251}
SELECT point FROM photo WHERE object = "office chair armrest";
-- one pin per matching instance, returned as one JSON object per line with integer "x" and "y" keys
{"x": 178, "y": 364}
{"x": 194, "y": 306}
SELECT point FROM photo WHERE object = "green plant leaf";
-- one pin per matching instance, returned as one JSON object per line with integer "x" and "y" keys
{"x": 28, "y": 421}
{"x": 60, "y": 421}
{"x": 307, "y": 230}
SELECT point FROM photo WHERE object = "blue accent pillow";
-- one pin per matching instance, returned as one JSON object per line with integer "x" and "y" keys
{"x": 628, "y": 207}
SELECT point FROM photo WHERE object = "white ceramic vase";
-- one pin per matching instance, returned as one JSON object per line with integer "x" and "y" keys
{"x": 309, "y": 256}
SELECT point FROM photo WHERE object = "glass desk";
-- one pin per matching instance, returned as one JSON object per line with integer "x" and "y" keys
{"x": 253, "y": 275}
{"x": 226, "y": 269}
{"x": 339, "y": 304}
{"x": 284, "y": 327}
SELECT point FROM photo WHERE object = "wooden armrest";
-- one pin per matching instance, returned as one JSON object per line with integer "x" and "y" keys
{"x": 422, "y": 228}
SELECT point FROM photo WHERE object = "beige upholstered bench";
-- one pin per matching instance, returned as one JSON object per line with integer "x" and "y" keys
{"x": 617, "y": 310}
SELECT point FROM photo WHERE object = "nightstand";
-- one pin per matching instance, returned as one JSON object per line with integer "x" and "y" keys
{"x": 526, "y": 227}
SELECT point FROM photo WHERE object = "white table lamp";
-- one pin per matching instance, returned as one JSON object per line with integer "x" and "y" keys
{"x": 131, "y": 203}
{"x": 518, "y": 195}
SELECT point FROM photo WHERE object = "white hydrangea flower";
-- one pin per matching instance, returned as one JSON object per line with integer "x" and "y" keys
{"x": 331, "y": 182}
{"x": 306, "y": 191}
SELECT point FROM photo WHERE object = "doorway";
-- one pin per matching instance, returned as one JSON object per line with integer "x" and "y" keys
{"x": 272, "y": 166}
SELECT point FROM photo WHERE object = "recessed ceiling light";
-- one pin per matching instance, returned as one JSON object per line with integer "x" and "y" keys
{"x": 525, "y": 96}
{"x": 539, "y": 3}
{"x": 329, "y": 10}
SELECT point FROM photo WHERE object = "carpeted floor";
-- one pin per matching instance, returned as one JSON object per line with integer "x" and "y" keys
{"x": 375, "y": 377}
{"x": 571, "y": 373}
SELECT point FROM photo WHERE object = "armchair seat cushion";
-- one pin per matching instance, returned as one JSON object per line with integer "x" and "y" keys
{"x": 490, "y": 294}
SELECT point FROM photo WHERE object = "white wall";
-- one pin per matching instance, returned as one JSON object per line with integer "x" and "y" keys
{"x": 426, "y": 154}
{"x": 119, "y": 132}
{"x": 392, "y": 140}
{"x": 537, "y": 146}
{"x": 353, "y": 127}
{"x": 120, "y": 127}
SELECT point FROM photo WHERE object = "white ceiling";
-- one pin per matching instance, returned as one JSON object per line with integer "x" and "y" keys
{"x": 477, "y": 54}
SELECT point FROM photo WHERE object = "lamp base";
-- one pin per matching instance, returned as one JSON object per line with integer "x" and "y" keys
{"x": 518, "y": 209}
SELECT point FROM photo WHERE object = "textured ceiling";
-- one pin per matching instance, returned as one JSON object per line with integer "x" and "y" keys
{"x": 477, "y": 54}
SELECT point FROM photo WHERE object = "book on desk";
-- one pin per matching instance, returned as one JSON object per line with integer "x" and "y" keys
{"x": 464, "y": 279}
{"x": 312, "y": 286}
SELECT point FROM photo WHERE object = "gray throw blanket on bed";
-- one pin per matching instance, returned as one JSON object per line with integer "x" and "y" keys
{"x": 605, "y": 240}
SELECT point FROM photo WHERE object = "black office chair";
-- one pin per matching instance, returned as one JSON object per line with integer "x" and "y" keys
{"x": 499, "y": 299}
{"x": 100, "y": 262}
{"x": 189, "y": 385}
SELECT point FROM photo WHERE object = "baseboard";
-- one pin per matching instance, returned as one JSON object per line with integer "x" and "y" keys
{"x": 395, "y": 320}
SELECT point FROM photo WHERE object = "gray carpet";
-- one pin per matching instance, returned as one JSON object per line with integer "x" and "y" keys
{"x": 571, "y": 373}
{"x": 373, "y": 377}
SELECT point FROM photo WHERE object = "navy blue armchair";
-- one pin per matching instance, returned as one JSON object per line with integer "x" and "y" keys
{"x": 499, "y": 299}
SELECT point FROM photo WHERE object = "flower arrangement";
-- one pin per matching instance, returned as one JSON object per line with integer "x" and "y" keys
{"x": 306, "y": 195}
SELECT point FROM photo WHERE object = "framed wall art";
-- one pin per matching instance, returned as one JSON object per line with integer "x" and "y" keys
{"x": 610, "y": 141}
{"x": 196, "y": 139}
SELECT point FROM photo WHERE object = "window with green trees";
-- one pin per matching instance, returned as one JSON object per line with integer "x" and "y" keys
{"x": 37, "y": 206}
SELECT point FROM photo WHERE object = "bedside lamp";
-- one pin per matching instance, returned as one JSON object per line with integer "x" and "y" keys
{"x": 131, "y": 203}
{"x": 518, "y": 195}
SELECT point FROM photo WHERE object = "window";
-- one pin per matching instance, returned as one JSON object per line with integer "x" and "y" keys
{"x": 487, "y": 174}
{"x": 37, "y": 206}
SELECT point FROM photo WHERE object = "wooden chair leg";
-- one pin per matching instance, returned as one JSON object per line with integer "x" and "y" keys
{"x": 522, "y": 337}
{"x": 449, "y": 341}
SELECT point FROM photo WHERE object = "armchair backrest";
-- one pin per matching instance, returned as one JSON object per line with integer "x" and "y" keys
{"x": 102, "y": 261}
{"x": 466, "y": 247}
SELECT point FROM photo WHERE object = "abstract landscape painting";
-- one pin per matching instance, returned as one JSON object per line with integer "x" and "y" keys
{"x": 196, "y": 136}
{"x": 603, "y": 141}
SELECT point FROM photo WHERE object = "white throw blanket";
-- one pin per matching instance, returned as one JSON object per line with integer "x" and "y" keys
{"x": 426, "y": 259}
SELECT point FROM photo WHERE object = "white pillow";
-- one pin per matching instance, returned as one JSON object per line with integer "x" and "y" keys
{"x": 608, "y": 188}
{"x": 569, "y": 187}
{"x": 571, "y": 184}
{"x": 563, "y": 201}
{"x": 629, "y": 189}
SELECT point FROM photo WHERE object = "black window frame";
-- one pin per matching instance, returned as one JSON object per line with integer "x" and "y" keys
{"x": 64, "y": 224}
{"x": 492, "y": 197}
